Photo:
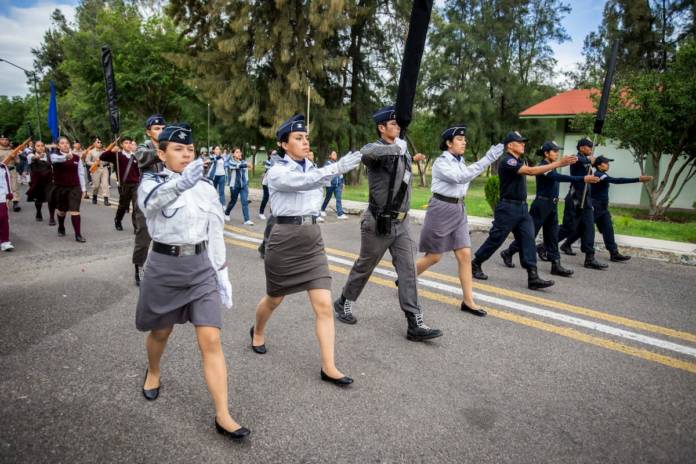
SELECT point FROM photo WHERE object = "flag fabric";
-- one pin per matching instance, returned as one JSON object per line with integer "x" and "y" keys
{"x": 53, "y": 114}
{"x": 110, "y": 84}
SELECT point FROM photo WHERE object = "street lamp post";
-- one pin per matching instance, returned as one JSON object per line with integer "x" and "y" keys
{"x": 36, "y": 93}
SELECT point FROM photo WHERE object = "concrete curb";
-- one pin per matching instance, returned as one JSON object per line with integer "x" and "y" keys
{"x": 649, "y": 248}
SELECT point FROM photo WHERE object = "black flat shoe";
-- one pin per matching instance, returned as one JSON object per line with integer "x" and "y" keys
{"x": 261, "y": 349}
{"x": 239, "y": 434}
{"x": 475, "y": 311}
{"x": 342, "y": 382}
{"x": 150, "y": 395}
{"x": 80, "y": 238}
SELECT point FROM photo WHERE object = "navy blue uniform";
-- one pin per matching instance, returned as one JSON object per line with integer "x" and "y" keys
{"x": 511, "y": 215}
{"x": 600, "y": 203}
{"x": 577, "y": 220}
{"x": 544, "y": 210}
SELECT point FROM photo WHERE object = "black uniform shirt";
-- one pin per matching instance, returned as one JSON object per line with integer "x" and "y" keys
{"x": 513, "y": 186}
{"x": 600, "y": 192}
{"x": 547, "y": 183}
{"x": 579, "y": 169}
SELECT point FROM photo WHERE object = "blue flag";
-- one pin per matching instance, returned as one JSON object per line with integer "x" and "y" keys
{"x": 53, "y": 114}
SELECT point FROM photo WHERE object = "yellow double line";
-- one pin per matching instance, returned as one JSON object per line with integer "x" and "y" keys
{"x": 508, "y": 316}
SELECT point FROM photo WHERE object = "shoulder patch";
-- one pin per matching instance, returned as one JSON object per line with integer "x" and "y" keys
{"x": 512, "y": 162}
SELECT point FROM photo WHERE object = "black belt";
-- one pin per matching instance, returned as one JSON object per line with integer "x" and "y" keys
{"x": 518, "y": 202}
{"x": 554, "y": 200}
{"x": 447, "y": 199}
{"x": 179, "y": 250}
{"x": 395, "y": 215}
{"x": 298, "y": 220}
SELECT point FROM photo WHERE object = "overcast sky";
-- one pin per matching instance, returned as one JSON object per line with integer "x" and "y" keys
{"x": 23, "y": 23}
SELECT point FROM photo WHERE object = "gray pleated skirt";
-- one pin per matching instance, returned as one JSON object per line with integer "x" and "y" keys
{"x": 177, "y": 290}
{"x": 295, "y": 260}
{"x": 445, "y": 228}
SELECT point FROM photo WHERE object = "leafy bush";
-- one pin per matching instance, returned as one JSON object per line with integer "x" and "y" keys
{"x": 492, "y": 190}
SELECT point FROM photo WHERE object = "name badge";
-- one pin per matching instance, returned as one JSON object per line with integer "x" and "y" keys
{"x": 407, "y": 176}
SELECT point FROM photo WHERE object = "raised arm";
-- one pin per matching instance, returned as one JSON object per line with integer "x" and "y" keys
{"x": 541, "y": 169}
{"x": 284, "y": 180}
{"x": 470, "y": 172}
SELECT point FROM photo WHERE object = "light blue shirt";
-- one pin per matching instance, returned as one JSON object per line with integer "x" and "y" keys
{"x": 297, "y": 192}
{"x": 451, "y": 176}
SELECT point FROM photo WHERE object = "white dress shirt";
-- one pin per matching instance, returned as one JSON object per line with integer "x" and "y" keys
{"x": 451, "y": 176}
{"x": 183, "y": 218}
{"x": 295, "y": 191}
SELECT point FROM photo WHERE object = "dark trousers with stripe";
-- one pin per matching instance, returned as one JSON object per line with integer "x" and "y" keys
{"x": 544, "y": 213}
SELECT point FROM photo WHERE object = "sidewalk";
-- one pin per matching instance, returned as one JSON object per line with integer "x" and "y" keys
{"x": 650, "y": 248}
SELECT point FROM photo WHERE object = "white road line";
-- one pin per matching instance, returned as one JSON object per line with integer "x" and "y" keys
{"x": 596, "y": 326}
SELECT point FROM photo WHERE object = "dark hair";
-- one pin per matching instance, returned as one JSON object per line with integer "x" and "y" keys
{"x": 216, "y": 146}
{"x": 163, "y": 145}
{"x": 379, "y": 134}
{"x": 235, "y": 148}
{"x": 63, "y": 137}
{"x": 284, "y": 139}
{"x": 127, "y": 139}
{"x": 443, "y": 144}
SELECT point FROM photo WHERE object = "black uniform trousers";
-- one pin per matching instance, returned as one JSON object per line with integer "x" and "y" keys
{"x": 511, "y": 216}
{"x": 544, "y": 212}
{"x": 577, "y": 220}
{"x": 605, "y": 226}
{"x": 127, "y": 197}
{"x": 142, "y": 238}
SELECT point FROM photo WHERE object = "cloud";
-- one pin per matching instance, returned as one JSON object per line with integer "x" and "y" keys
{"x": 21, "y": 29}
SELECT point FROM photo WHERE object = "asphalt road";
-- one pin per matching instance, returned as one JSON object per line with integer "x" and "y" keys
{"x": 599, "y": 368}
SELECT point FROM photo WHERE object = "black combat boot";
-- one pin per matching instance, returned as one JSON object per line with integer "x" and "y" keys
{"x": 541, "y": 253}
{"x": 567, "y": 249}
{"x": 15, "y": 206}
{"x": 557, "y": 269}
{"x": 94, "y": 199}
{"x": 418, "y": 331}
{"x": 476, "y": 270}
{"x": 507, "y": 258}
{"x": 117, "y": 224}
{"x": 106, "y": 201}
{"x": 592, "y": 263}
{"x": 343, "y": 309}
{"x": 618, "y": 257}
{"x": 534, "y": 282}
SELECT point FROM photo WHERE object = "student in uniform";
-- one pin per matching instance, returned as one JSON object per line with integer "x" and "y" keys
{"x": 334, "y": 188}
{"x": 385, "y": 226}
{"x": 295, "y": 257}
{"x": 544, "y": 210}
{"x": 128, "y": 176}
{"x": 216, "y": 173}
{"x": 600, "y": 206}
{"x": 148, "y": 161}
{"x": 445, "y": 227}
{"x": 511, "y": 214}
{"x": 264, "y": 183}
{"x": 41, "y": 180}
{"x": 69, "y": 180}
{"x": 100, "y": 173}
{"x": 6, "y": 196}
{"x": 239, "y": 185}
{"x": 186, "y": 278}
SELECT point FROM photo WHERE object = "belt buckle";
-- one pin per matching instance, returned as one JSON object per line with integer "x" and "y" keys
{"x": 187, "y": 250}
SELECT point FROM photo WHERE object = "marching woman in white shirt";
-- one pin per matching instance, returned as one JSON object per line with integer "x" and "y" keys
{"x": 445, "y": 227}
{"x": 185, "y": 276}
{"x": 295, "y": 257}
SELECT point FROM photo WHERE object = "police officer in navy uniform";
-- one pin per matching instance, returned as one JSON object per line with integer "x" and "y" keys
{"x": 511, "y": 214}
{"x": 384, "y": 226}
{"x": 544, "y": 210}
{"x": 600, "y": 204}
{"x": 579, "y": 218}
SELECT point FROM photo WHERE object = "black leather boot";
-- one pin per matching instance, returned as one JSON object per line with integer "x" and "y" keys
{"x": 592, "y": 263}
{"x": 557, "y": 269}
{"x": 534, "y": 282}
{"x": 541, "y": 253}
{"x": 418, "y": 331}
{"x": 106, "y": 201}
{"x": 567, "y": 249}
{"x": 94, "y": 199}
{"x": 618, "y": 257}
{"x": 507, "y": 258}
{"x": 117, "y": 224}
{"x": 476, "y": 270}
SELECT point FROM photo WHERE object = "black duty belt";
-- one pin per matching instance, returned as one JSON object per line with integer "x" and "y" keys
{"x": 447, "y": 199}
{"x": 554, "y": 200}
{"x": 297, "y": 220}
{"x": 395, "y": 215}
{"x": 179, "y": 250}
{"x": 517, "y": 202}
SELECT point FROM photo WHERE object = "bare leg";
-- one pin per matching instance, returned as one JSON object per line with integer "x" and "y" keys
{"x": 463, "y": 256}
{"x": 321, "y": 303}
{"x": 215, "y": 372}
{"x": 264, "y": 311}
{"x": 427, "y": 260}
{"x": 155, "y": 343}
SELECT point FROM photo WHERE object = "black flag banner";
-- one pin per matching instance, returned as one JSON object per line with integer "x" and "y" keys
{"x": 110, "y": 82}
{"x": 604, "y": 100}
{"x": 410, "y": 66}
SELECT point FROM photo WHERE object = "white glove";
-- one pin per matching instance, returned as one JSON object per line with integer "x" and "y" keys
{"x": 403, "y": 146}
{"x": 192, "y": 174}
{"x": 349, "y": 162}
{"x": 495, "y": 152}
{"x": 224, "y": 287}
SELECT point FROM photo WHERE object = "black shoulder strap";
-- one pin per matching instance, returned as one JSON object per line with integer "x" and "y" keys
{"x": 402, "y": 188}
{"x": 392, "y": 179}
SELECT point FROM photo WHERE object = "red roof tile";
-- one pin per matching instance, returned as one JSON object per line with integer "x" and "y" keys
{"x": 568, "y": 103}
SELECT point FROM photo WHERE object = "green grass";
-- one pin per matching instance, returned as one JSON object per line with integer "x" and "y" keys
{"x": 679, "y": 226}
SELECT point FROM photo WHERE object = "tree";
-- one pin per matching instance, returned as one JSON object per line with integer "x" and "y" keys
{"x": 653, "y": 115}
